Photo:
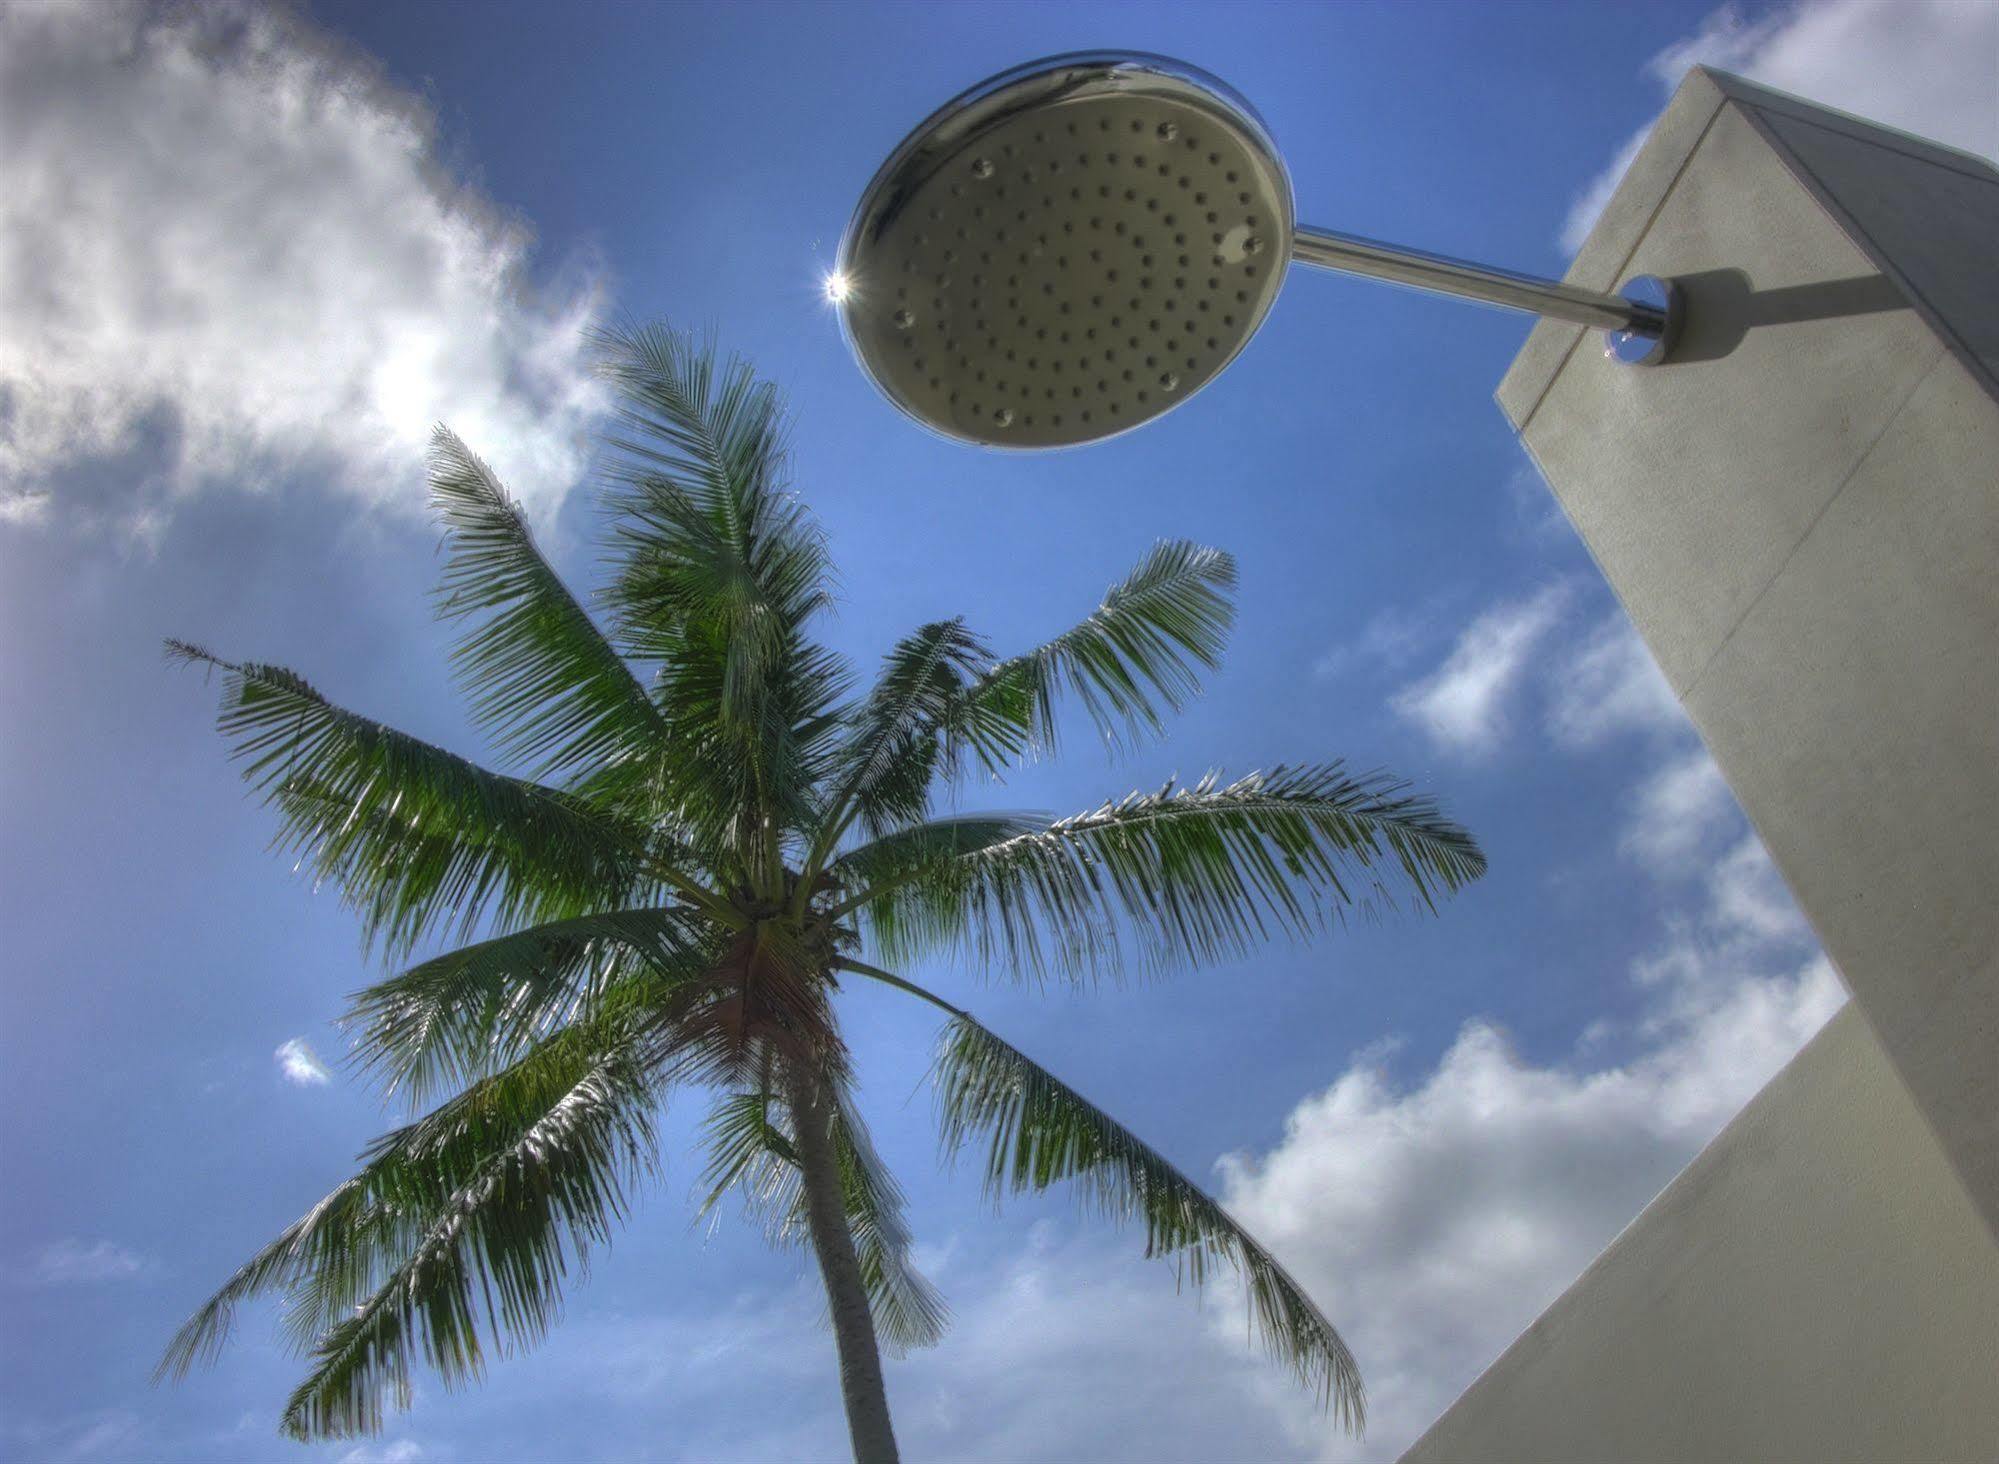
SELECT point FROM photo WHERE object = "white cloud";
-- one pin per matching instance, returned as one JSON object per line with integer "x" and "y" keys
{"x": 400, "y": 1451}
{"x": 1435, "y": 1222}
{"x": 1537, "y": 516}
{"x": 1067, "y": 1346}
{"x": 1678, "y": 813}
{"x": 1084, "y": 1351}
{"x": 1465, "y": 704}
{"x": 1589, "y": 205}
{"x": 1609, "y": 684}
{"x": 72, "y": 1261}
{"x": 23, "y": 508}
{"x": 1751, "y": 895}
{"x": 301, "y": 1065}
{"x": 1601, "y": 685}
{"x": 1595, "y": 686}
{"x": 228, "y": 244}
{"x": 1925, "y": 66}
{"x": 114, "y": 1433}
{"x": 1388, "y": 640}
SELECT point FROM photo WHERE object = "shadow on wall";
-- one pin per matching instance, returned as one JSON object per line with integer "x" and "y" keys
{"x": 1723, "y": 306}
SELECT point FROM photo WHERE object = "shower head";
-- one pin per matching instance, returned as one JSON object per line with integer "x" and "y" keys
{"x": 1066, "y": 251}
{"x": 1077, "y": 246}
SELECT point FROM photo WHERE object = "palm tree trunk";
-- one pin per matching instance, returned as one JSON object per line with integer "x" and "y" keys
{"x": 846, "y": 1294}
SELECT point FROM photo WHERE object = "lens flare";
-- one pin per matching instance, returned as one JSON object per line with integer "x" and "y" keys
{"x": 838, "y": 287}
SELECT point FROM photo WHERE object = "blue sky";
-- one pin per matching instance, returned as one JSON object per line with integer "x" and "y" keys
{"x": 245, "y": 261}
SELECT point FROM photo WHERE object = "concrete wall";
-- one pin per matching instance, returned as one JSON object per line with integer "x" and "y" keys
{"x": 1800, "y": 511}
{"x": 1816, "y": 1286}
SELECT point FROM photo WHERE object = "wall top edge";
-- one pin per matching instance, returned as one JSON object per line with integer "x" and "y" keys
{"x": 1604, "y": 260}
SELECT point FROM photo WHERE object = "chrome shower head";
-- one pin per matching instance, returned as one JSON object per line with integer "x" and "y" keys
{"x": 1066, "y": 251}
{"x": 1079, "y": 245}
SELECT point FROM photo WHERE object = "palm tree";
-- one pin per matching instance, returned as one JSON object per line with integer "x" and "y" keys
{"x": 711, "y": 831}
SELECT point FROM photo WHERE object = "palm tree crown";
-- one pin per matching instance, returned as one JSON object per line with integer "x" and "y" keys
{"x": 710, "y": 828}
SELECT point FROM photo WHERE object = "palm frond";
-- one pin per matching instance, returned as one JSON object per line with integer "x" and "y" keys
{"x": 743, "y": 787}
{"x": 1140, "y": 654}
{"x": 751, "y": 1151}
{"x": 713, "y": 541}
{"x": 898, "y": 731}
{"x": 873, "y": 872}
{"x": 720, "y": 570}
{"x": 479, "y": 1208}
{"x": 418, "y": 839}
{"x": 497, "y": 1197}
{"x": 1189, "y": 874}
{"x": 287, "y": 1262}
{"x": 458, "y": 1016}
{"x": 1040, "y": 1132}
{"x": 908, "y": 1309}
{"x": 539, "y": 671}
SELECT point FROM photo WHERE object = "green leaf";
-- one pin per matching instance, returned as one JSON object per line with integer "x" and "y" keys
{"x": 293, "y": 1260}
{"x": 750, "y": 1150}
{"x": 898, "y": 731}
{"x": 1141, "y": 654}
{"x": 539, "y": 671}
{"x": 418, "y": 839}
{"x": 459, "y": 1015}
{"x": 712, "y": 538}
{"x": 471, "y": 1217}
{"x": 719, "y": 571}
{"x": 1190, "y": 875}
{"x": 907, "y": 1308}
{"x": 1040, "y": 1132}
{"x": 925, "y": 854}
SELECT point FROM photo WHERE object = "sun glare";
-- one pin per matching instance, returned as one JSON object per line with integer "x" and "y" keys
{"x": 838, "y": 287}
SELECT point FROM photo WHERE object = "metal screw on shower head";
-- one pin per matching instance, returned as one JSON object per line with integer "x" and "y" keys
{"x": 1077, "y": 246}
